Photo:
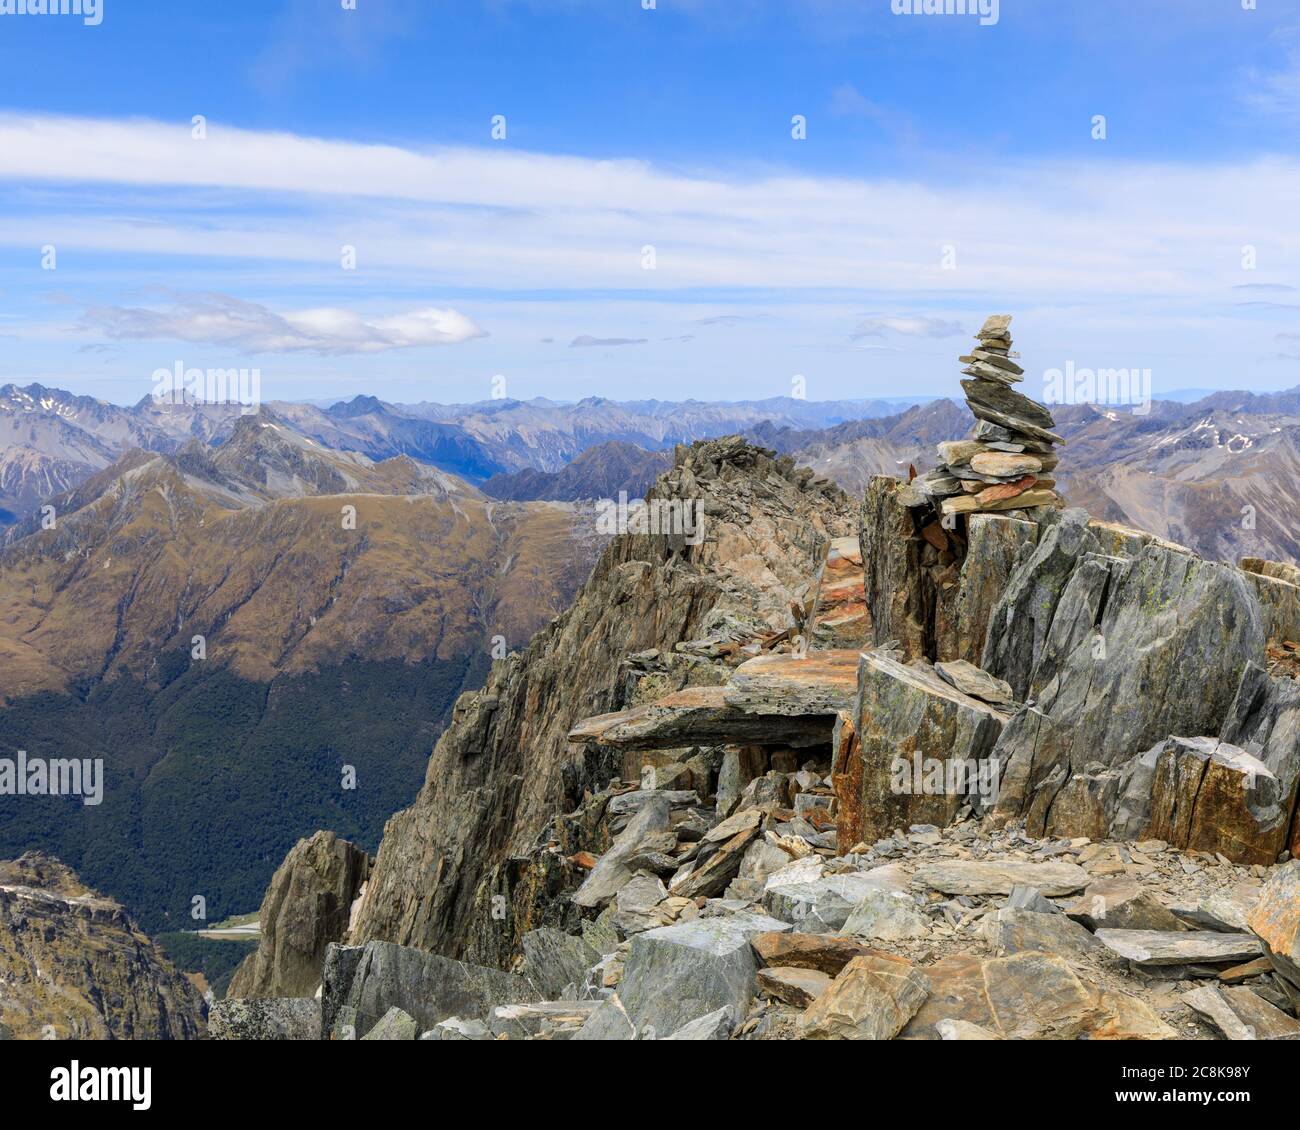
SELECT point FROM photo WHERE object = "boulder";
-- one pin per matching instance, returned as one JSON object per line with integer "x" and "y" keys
{"x": 1016, "y": 931}
{"x": 1264, "y": 720}
{"x": 265, "y": 1018}
{"x": 925, "y": 748}
{"x": 676, "y": 974}
{"x": 1128, "y": 1018}
{"x": 761, "y": 860}
{"x": 1117, "y": 654}
{"x": 634, "y": 906}
{"x": 1276, "y": 920}
{"x": 887, "y": 915}
{"x": 963, "y": 1030}
{"x": 811, "y": 683}
{"x": 792, "y": 985}
{"x": 715, "y": 1026}
{"x": 553, "y": 1020}
{"x": 873, "y": 997}
{"x": 740, "y": 765}
{"x": 826, "y": 953}
{"x": 697, "y": 716}
{"x": 1122, "y": 904}
{"x": 554, "y": 960}
{"x": 820, "y": 905}
{"x": 454, "y": 1028}
{"x": 1024, "y": 996}
{"x": 712, "y": 876}
{"x": 1202, "y": 794}
{"x": 394, "y": 1025}
{"x": 741, "y": 821}
{"x": 1241, "y": 1014}
{"x": 1024, "y": 897}
{"x": 611, "y": 872}
{"x": 427, "y": 986}
{"x": 970, "y": 680}
{"x": 1227, "y": 910}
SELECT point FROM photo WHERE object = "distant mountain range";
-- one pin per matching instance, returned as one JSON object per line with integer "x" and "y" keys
{"x": 1220, "y": 475}
{"x": 51, "y": 440}
{"x": 603, "y": 471}
{"x": 256, "y": 638}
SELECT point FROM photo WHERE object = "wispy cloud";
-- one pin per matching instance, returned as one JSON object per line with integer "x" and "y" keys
{"x": 585, "y": 340}
{"x": 731, "y": 319}
{"x": 849, "y": 102}
{"x": 906, "y": 325}
{"x": 219, "y": 319}
{"x": 513, "y": 219}
{"x": 1276, "y": 91}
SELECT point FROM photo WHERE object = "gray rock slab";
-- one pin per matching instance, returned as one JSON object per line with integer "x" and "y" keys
{"x": 973, "y": 877}
{"x": 1189, "y": 947}
{"x": 677, "y": 974}
{"x": 427, "y": 986}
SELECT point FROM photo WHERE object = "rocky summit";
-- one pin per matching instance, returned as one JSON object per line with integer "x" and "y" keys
{"x": 840, "y": 770}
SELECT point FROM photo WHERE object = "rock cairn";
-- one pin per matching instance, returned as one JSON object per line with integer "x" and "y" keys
{"x": 1006, "y": 464}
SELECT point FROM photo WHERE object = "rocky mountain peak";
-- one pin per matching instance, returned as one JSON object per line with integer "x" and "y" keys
{"x": 77, "y": 966}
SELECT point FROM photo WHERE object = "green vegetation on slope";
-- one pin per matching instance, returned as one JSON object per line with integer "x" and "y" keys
{"x": 217, "y": 961}
{"x": 210, "y": 780}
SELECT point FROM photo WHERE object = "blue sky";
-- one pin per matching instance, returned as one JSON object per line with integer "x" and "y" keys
{"x": 949, "y": 170}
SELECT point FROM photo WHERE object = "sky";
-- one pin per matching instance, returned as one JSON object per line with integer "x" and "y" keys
{"x": 709, "y": 199}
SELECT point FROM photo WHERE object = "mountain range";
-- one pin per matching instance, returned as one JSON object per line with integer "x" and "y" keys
{"x": 51, "y": 440}
{"x": 255, "y": 638}
{"x": 1220, "y": 475}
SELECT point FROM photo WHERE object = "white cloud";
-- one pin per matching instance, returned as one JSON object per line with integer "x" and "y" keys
{"x": 510, "y": 219}
{"x": 219, "y": 319}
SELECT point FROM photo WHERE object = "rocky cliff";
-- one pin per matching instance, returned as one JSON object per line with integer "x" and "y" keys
{"x": 307, "y": 906}
{"x": 444, "y": 878}
{"x": 75, "y": 965}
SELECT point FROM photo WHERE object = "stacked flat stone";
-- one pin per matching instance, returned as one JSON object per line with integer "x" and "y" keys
{"x": 1006, "y": 465}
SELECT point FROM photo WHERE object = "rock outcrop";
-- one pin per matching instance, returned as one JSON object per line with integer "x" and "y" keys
{"x": 74, "y": 965}
{"x": 307, "y": 906}
{"x": 1038, "y": 786}
{"x": 451, "y": 874}
{"x": 1140, "y": 703}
